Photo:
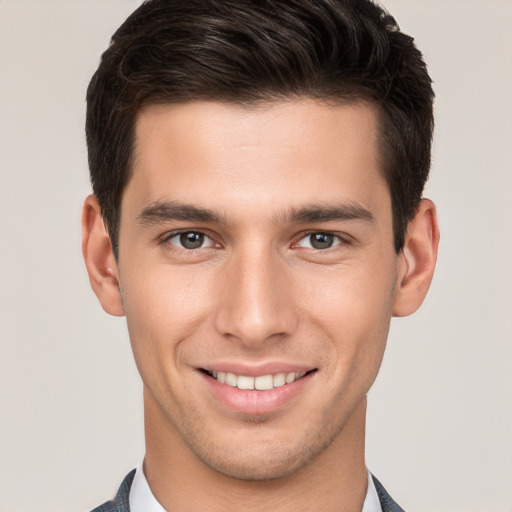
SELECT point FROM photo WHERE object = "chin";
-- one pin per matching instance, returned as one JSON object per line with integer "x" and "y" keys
{"x": 259, "y": 470}
{"x": 265, "y": 463}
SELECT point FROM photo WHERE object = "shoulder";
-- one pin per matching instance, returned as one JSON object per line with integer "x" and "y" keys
{"x": 121, "y": 503}
{"x": 386, "y": 501}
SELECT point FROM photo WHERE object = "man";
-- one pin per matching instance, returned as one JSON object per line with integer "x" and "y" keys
{"x": 257, "y": 216}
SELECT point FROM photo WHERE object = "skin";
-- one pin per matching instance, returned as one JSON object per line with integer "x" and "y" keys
{"x": 257, "y": 292}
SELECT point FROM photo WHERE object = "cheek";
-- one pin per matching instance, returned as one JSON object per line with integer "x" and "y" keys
{"x": 162, "y": 308}
{"x": 353, "y": 307}
{"x": 352, "y": 293}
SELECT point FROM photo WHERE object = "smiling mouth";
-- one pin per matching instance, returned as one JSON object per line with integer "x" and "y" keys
{"x": 260, "y": 383}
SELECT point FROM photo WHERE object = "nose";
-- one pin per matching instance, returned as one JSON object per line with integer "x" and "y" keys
{"x": 256, "y": 299}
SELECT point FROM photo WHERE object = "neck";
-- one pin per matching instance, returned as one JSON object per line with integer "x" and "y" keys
{"x": 336, "y": 480}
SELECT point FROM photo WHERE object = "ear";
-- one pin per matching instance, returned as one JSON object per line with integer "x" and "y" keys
{"x": 99, "y": 259}
{"x": 417, "y": 260}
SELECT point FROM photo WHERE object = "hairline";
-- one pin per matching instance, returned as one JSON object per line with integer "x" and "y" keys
{"x": 254, "y": 105}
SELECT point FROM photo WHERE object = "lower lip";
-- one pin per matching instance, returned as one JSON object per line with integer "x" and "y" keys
{"x": 256, "y": 402}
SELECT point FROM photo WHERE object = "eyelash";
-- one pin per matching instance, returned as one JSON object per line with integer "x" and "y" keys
{"x": 341, "y": 240}
{"x": 166, "y": 240}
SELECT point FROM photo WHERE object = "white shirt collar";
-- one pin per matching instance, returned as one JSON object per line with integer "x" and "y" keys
{"x": 371, "y": 502}
{"x": 143, "y": 500}
{"x": 141, "y": 497}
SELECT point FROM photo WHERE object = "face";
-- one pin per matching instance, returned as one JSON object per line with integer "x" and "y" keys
{"x": 257, "y": 273}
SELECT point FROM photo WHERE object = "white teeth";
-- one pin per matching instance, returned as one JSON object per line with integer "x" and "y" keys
{"x": 261, "y": 383}
{"x": 290, "y": 377}
{"x": 243, "y": 382}
{"x": 264, "y": 382}
{"x": 279, "y": 380}
{"x": 230, "y": 380}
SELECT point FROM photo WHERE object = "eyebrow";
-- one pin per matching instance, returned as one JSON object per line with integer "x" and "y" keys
{"x": 326, "y": 213}
{"x": 159, "y": 212}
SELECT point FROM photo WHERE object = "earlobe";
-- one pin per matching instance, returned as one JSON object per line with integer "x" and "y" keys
{"x": 99, "y": 259}
{"x": 417, "y": 260}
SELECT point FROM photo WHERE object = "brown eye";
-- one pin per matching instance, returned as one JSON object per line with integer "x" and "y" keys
{"x": 190, "y": 240}
{"x": 319, "y": 241}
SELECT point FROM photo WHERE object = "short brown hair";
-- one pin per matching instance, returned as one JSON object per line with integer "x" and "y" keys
{"x": 246, "y": 51}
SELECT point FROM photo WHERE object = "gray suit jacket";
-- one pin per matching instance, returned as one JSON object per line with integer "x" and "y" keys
{"x": 121, "y": 502}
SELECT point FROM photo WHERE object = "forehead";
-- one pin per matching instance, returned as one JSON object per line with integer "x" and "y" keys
{"x": 268, "y": 155}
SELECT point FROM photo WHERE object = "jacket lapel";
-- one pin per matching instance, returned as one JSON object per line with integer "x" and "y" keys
{"x": 386, "y": 501}
{"x": 121, "y": 503}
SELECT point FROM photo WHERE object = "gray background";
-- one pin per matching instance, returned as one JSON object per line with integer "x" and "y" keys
{"x": 440, "y": 416}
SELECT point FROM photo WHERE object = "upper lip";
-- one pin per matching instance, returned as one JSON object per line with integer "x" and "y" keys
{"x": 256, "y": 370}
